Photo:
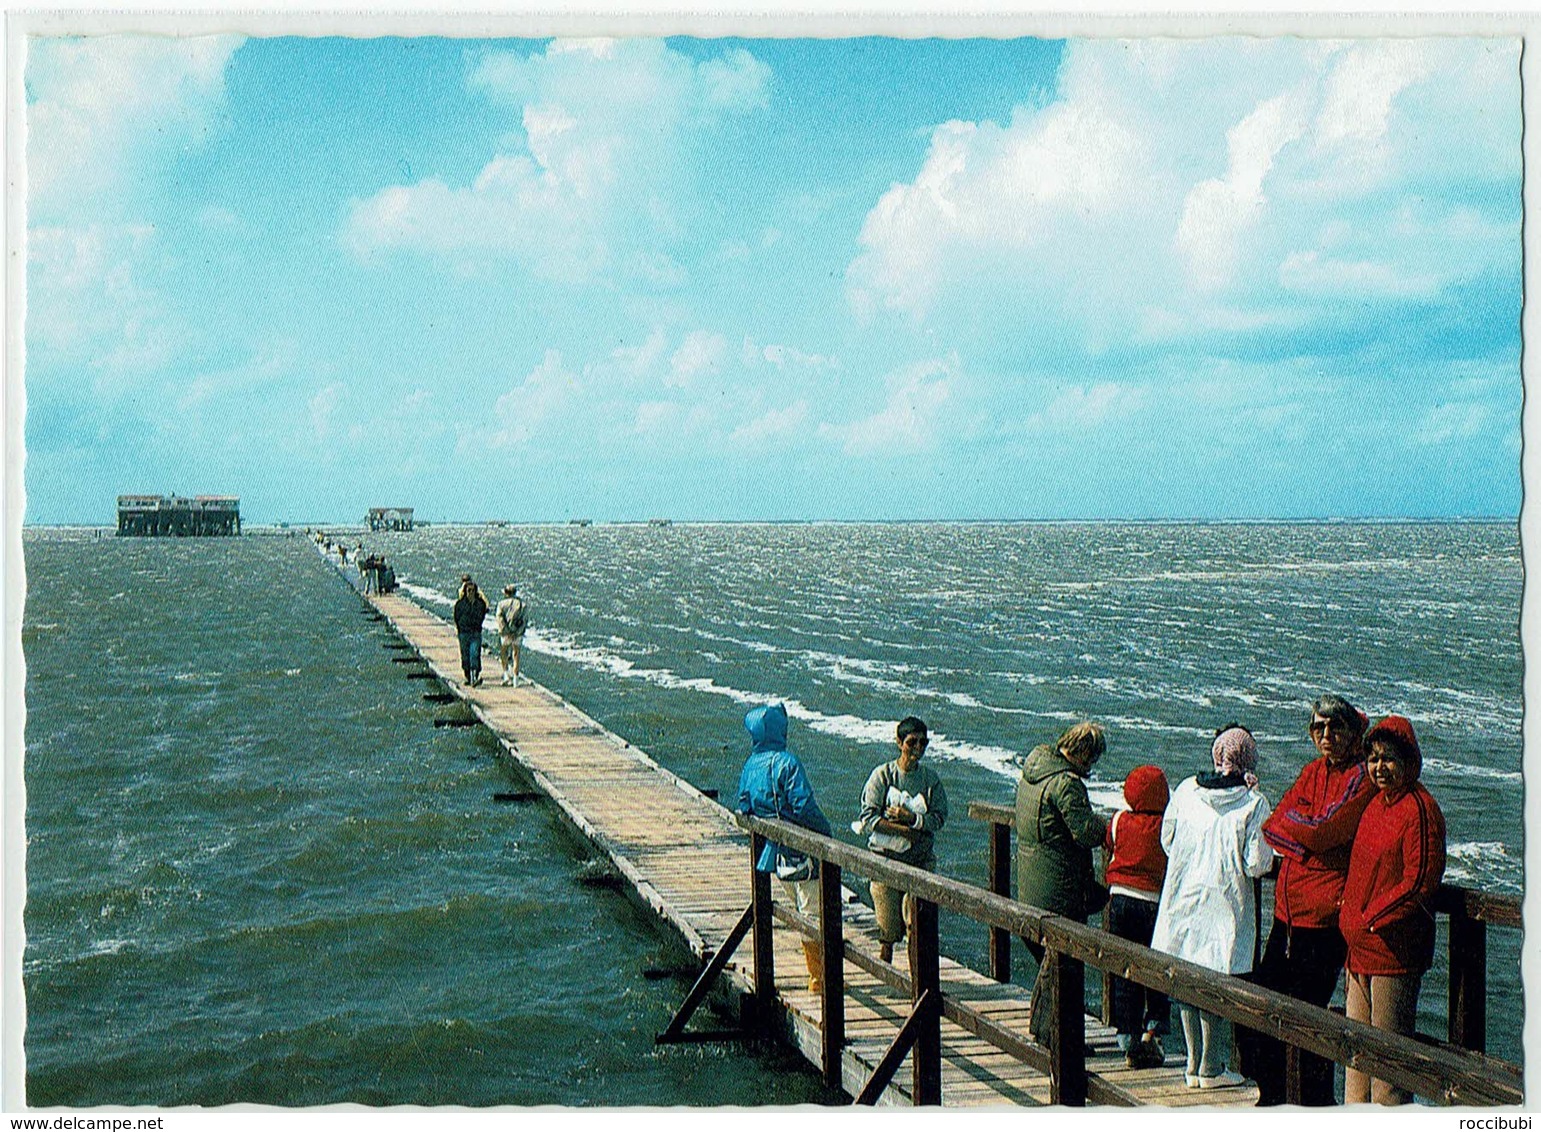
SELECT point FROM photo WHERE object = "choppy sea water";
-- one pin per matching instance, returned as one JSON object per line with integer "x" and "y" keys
{"x": 257, "y": 872}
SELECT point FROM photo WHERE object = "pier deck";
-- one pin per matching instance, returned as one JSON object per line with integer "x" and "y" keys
{"x": 685, "y": 859}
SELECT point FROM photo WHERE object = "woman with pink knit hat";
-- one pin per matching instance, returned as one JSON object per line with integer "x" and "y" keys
{"x": 1213, "y": 836}
{"x": 1397, "y": 864}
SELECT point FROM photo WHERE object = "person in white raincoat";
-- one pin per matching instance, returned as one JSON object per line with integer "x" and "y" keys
{"x": 1213, "y": 837}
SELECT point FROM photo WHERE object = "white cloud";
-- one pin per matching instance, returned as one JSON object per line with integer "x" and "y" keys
{"x": 1255, "y": 177}
{"x": 88, "y": 301}
{"x": 103, "y": 108}
{"x": 912, "y": 418}
{"x": 611, "y": 132}
{"x": 548, "y": 390}
{"x": 1452, "y": 421}
{"x": 322, "y": 407}
{"x": 702, "y": 352}
{"x": 1078, "y": 407}
{"x": 775, "y": 424}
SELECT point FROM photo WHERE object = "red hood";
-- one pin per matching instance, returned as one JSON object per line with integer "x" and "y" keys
{"x": 1146, "y": 790}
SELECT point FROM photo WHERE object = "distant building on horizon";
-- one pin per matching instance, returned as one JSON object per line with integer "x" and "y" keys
{"x": 178, "y": 516}
{"x": 389, "y": 519}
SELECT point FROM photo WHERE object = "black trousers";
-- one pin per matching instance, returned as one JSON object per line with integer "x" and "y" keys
{"x": 1305, "y": 963}
{"x": 1136, "y": 1007}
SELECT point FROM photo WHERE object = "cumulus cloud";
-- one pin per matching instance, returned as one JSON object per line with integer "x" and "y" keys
{"x": 1169, "y": 184}
{"x": 90, "y": 303}
{"x": 609, "y": 129}
{"x": 103, "y": 109}
{"x": 548, "y": 390}
{"x": 911, "y": 419}
{"x": 1078, "y": 407}
{"x": 785, "y": 423}
{"x": 702, "y": 352}
{"x": 1452, "y": 421}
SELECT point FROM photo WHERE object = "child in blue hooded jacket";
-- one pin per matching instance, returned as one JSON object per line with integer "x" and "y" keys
{"x": 773, "y": 784}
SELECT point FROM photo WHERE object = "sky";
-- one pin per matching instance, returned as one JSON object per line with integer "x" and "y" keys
{"x": 774, "y": 279}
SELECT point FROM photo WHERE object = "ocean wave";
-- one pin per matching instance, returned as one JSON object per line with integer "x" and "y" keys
{"x": 1466, "y": 770}
{"x": 1485, "y": 864}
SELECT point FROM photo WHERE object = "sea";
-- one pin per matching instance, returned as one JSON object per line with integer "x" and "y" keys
{"x": 257, "y": 873}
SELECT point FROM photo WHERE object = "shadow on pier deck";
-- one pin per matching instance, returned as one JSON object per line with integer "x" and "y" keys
{"x": 948, "y": 1035}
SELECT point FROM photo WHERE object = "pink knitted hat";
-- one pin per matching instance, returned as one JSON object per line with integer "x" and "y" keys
{"x": 1235, "y": 751}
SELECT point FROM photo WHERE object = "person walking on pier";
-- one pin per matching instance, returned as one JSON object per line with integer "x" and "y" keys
{"x": 903, "y": 808}
{"x": 1136, "y": 871}
{"x": 1312, "y": 830}
{"x": 1213, "y": 837}
{"x": 1397, "y": 864}
{"x": 469, "y": 613}
{"x": 773, "y": 784}
{"x": 1056, "y": 833}
{"x": 511, "y": 616}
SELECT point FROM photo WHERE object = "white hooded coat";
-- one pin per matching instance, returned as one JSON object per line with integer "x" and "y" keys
{"x": 1214, "y": 845}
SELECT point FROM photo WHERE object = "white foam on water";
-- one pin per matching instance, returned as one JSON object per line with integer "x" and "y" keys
{"x": 1484, "y": 864}
{"x": 1464, "y": 770}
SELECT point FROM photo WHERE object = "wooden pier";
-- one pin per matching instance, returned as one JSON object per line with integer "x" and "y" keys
{"x": 687, "y": 858}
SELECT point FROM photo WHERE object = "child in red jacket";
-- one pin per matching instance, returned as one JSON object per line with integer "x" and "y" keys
{"x": 1135, "y": 872}
{"x": 1397, "y": 864}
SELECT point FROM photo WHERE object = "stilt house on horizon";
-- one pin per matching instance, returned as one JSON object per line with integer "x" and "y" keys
{"x": 179, "y": 516}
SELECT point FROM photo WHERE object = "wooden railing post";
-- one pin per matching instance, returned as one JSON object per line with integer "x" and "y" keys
{"x": 832, "y": 948}
{"x": 764, "y": 945}
{"x": 1107, "y": 926}
{"x": 1468, "y": 982}
{"x": 1000, "y": 884}
{"x": 926, "y": 976}
{"x": 1067, "y": 1038}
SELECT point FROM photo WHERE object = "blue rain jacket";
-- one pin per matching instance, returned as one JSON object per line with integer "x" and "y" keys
{"x": 773, "y": 783}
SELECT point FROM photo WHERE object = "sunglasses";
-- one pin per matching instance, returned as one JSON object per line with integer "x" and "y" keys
{"x": 1336, "y": 726}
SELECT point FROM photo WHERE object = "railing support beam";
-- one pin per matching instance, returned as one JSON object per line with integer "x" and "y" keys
{"x": 1000, "y": 884}
{"x": 1066, "y": 985}
{"x": 926, "y": 984}
{"x": 832, "y": 952}
{"x": 764, "y": 942}
{"x": 1468, "y": 982}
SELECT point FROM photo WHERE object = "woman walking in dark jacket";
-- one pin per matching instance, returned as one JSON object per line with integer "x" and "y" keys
{"x": 470, "y": 611}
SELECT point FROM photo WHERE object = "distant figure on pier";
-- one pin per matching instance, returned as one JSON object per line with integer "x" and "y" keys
{"x": 1397, "y": 864}
{"x": 1056, "y": 833}
{"x": 1312, "y": 830}
{"x": 469, "y": 613}
{"x": 512, "y": 616}
{"x": 1136, "y": 871}
{"x": 773, "y": 784}
{"x": 903, "y": 808}
{"x": 1213, "y": 837}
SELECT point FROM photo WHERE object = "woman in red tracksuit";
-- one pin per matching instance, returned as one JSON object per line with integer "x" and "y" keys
{"x": 1312, "y": 830}
{"x": 1397, "y": 864}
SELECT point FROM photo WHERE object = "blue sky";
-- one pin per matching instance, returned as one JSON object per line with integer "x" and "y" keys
{"x": 775, "y": 279}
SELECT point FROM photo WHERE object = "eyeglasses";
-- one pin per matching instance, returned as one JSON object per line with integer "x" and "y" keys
{"x": 1336, "y": 726}
{"x": 915, "y": 741}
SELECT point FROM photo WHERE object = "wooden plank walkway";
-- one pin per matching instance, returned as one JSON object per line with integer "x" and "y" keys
{"x": 686, "y": 860}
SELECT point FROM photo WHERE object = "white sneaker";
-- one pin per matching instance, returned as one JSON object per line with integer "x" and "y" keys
{"x": 1226, "y": 1080}
{"x": 506, "y": 680}
{"x": 1191, "y": 1080}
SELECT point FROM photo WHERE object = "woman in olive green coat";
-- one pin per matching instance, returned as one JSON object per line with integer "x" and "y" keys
{"x": 1056, "y": 833}
{"x": 1056, "y": 829}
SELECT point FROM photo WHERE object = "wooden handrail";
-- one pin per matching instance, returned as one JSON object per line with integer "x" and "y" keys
{"x": 1452, "y": 899}
{"x": 1470, "y": 911}
{"x": 1434, "y": 1070}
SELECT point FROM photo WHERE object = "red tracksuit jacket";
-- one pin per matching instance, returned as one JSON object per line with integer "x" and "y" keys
{"x": 1312, "y": 829}
{"x": 1398, "y": 862}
